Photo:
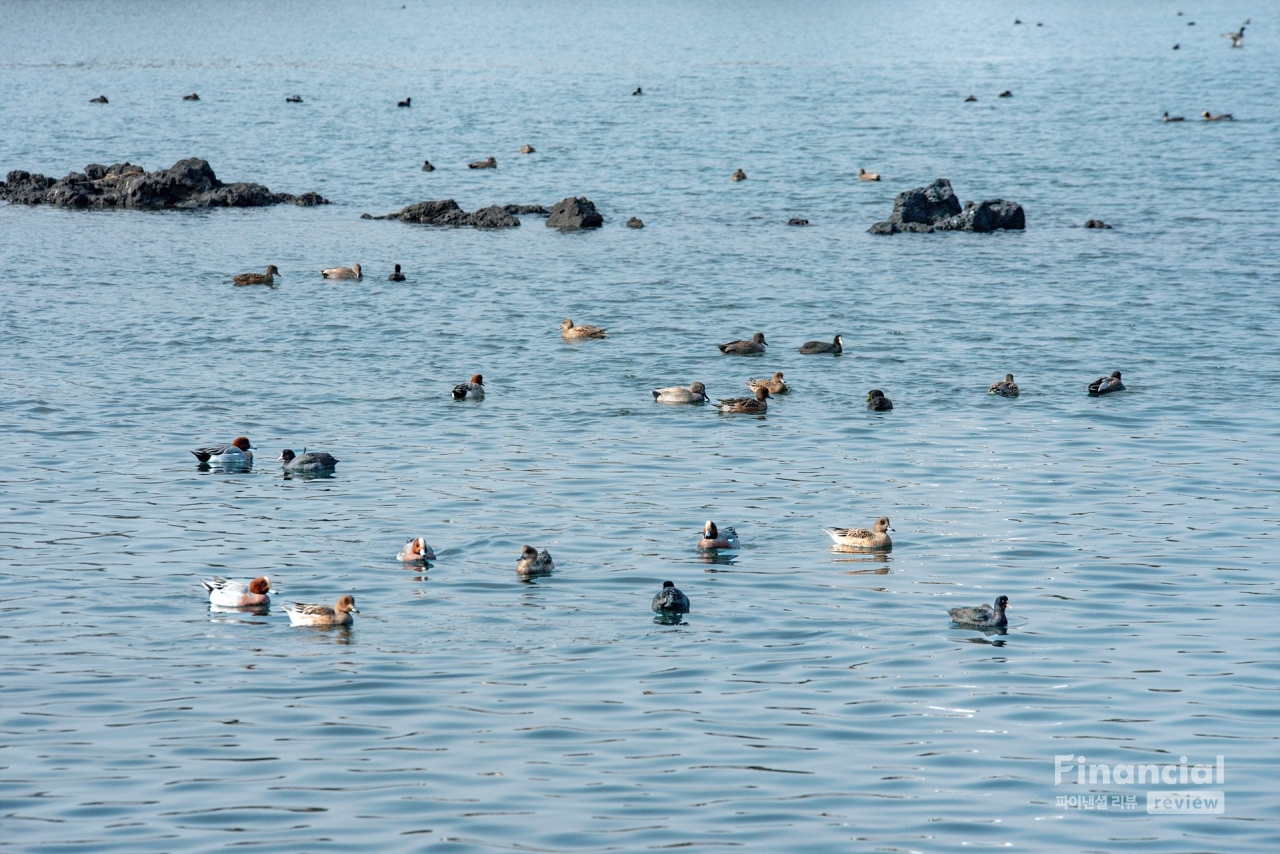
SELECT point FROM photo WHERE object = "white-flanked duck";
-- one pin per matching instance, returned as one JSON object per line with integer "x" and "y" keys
{"x": 1106, "y": 385}
{"x": 670, "y": 600}
{"x": 1005, "y": 387}
{"x": 753, "y": 347}
{"x": 308, "y": 462}
{"x": 532, "y": 563}
{"x": 416, "y": 551}
{"x": 812, "y": 348}
{"x": 569, "y": 332}
{"x": 267, "y": 278}
{"x": 323, "y": 615}
{"x": 776, "y": 384}
{"x": 352, "y": 272}
{"x": 864, "y": 175}
{"x": 1219, "y": 117}
{"x": 473, "y": 389}
{"x": 982, "y": 616}
{"x": 238, "y": 453}
{"x": 757, "y": 405}
{"x": 717, "y": 538}
{"x": 861, "y": 538}
{"x": 695, "y": 393}
{"x": 1169, "y": 118}
{"x": 238, "y": 594}
{"x": 877, "y": 402}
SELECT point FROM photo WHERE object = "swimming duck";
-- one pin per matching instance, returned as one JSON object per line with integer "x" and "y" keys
{"x": 397, "y": 276}
{"x": 293, "y": 99}
{"x": 737, "y": 176}
{"x": 569, "y": 332}
{"x": 101, "y": 99}
{"x": 1220, "y": 117}
{"x": 749, "y": 405}
{"x": 352, "y": 272}
{"x": 257, "y": 278}
{"x": 864, "y": 175}
{"x": 1237, "y": 38}
{"x": 528, "y": 149}
{"x": 744, "y": 348}
{"x": 1005, "y": 387}
{"x": 776, "y": 384}
{"x": 970, "y": 99}
{"x": 638, "y": 91}
{"x": 237, "y": 453}
{"x": 1177, "y": 46}
{"x": 416, "y": 551}
{"x": 877, "y": 402}
{"x": 407, "y": 102}
{"x": 1169, "y": 118}
{"x": 812, "y": 348}
{"x": 1106, "y": 385}
{"x": 427, "y": 167}
{"x": 1006, "y": 94}
{"x": 491, "y": 163}
{"x": 323, "y": 615}
{"x": 531, "y": 563}
{"x": 695, "y": 393}
{"x": 861, "y": 538}
{"x": 238, "y": 594}
{"x": 308, "y": 463}
{"x": 473, "y": 389}
{"x": 635, "y": 222}
{"x": 192, "y": 97}
{"x": 717, "y": 538}
{"x": 983, "y": 616}
{"x": 670, "y": 600}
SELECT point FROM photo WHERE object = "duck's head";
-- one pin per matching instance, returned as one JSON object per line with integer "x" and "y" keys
{"x": 758, "y": 338}
{"x": 272, "y": 271}
{"x": 1002, "y": 602}
{"x": 1205, "y": 114}
{"x": 668, "y": 585}
{"x": 710, "y": 531}
{"x": 346, "y": 604}
{"x": 355, "y": 268}
{"x": 260, "y": 585}
{"x": 873, "y": 394}
{"x": 566, "y": 324}
{"x": 528, "y": 553}
{"x": 882, "y": 524}
{"x": 242, "y": 443}
{"x": 1115, "y": 375}
{"x": 698, "y": 388}
{"x": 1008, "y": 378}
{"x": 778, "y": 376}
{"x": 839, "y": 342}
{"x": 762, "y": 392}
{"x": 477, "y": 380}
{"x": 286, "y": 456}
{"x": 397, "y": 268}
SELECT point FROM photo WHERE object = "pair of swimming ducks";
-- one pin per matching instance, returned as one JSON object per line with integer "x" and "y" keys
{"x": 255, "y": 594}
{"x": 240, "y": 454}
{"x": 1103, "y": 385}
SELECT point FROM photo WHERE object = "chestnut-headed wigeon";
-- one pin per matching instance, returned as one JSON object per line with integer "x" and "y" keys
{"x": 473, "y": 389}
{"x": 533, "y": 563}
{"x": 569, "y": 332}
{"x": 238, "y": 594}
{"x": 749, "y": 405}
{"x": 776, "y": 384}
{"x": 307, "y": 461}
{"x": 861, "y": 538}
{"x": 745, "y": 348}
{"x": 352, "y": 272}
{"x": 669, "y": 600}
{"x": 416, "y": 551}
{"x": 323, "y": 615}
{"x": 695, "y": 393}
{"x": 267, "y": 278}
{"x": 717, "y": 538}
{"x": 238, "y": 453}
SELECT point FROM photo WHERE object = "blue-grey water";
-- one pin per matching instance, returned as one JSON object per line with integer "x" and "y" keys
{"x": 812, "y": 701}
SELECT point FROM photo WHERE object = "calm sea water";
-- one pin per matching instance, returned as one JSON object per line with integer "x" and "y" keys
{"x": 812, "y": 701}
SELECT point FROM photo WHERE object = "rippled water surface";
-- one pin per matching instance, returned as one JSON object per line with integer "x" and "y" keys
{"x": 812, "y": 701}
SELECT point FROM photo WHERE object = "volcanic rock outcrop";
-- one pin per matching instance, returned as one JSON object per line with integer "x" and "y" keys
{"x": 936, "y": 208}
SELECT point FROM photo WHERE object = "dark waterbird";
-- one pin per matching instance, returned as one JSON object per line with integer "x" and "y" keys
{"x": 670, "y": 600}
{"x": 404, "y": 103}
{"x": 1106, "y": 385}
{"x": 397, "y": 276}
{"x": 308, "y": 462}
{"x": 812, "y": 348}
{"x": 983, "y": 616}
{"x": 877, "y": 402}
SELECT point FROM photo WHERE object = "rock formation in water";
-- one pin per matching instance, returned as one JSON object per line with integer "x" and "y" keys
{"x": 447, "y": 212}
{"x": 571, "y": 214}
{"x": 936, "y": 208}
{"x": 187, "y": 184}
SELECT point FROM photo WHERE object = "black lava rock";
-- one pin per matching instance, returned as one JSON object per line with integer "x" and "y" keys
{"x": 936, "y": 208}
{"x": 571, "y": 214}
{"x": 447, "y": 212}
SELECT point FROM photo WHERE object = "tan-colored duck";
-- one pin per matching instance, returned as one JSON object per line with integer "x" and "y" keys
{"x": 323, "y": 615}
{"x": 1005, "y": 387}
{"x": 738, "y": 176}
{"x": 749, "y": 405}
{"x": 695, "y": 393}
{"x": 861, "y": 538}
{"x": 532, "y": 563}
{"x": 491, "y": 163}
{"x": 569, "y": 332}
{"x": 352, "y": 272}
{"x": 1220, "y": 117}
{"x": 745, "y": 348}
{"x": 528, "y": 149}
{"x": 776, "y": 384}
{"x": 267, "y": 278}
{"x": 864, "y": 175}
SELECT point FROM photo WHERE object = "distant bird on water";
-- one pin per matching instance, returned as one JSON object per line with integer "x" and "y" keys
{"x": 736, "y": 176}
{"x": 532, "y": 562}
{"x": 397, "y": 276}
{"x": 744, "y": 348}
{"x": 1106, "y": 385}
{"x": 427, "y": 167}
{"x": 1237, "y": 38}
{"x": 309, "y": 462}
{"x": 1005, "y": 387}
{"x": 638, "y": 91}
{"x": 812, "y": 348}
{"x": 1220, "y": 117}
{"x": 877, "y": 402}
{"x": 776, "y": 384}
{"x": 969, "y": 99}
{"x": 473, "y": 389}
{"x": 192, "y": 97}
{"x": 407, "y": 102}
{"x": 983, "y": 616}
{"x": 101, "y": 99}
{"x": 267, "y": 278}
{"x": 717, "y": 538}
{"x": 1169, "y": 118}
{"x": 352, "y": 272}
{"x": 670, "y": 600}
{"x": 322, "y": 615}
{"x": 238, "y": 453}
{"x": 528, "y": 149}
{"x": 569, "y": 332}
{"x": 861, "y": 538}
{"x": 293, "y": 99}
{"x": 416, "y": 551}
{"x": 695, "y": 393}
{"x": 238, "y": 594}
{"x": 491, "y": 163}
{"x": 757, "y": 405}
{"x": 1006, "y": 94}
{"x": 864, "y": 175}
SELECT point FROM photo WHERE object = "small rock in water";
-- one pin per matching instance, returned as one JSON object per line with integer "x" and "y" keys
{"x": 635, "y": 222}
{"x": 936, "y": 208}
{"x": 572, "y": 214}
